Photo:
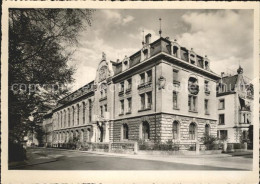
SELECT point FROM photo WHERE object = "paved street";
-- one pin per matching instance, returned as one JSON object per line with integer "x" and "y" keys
{"x": 51, "y": 159}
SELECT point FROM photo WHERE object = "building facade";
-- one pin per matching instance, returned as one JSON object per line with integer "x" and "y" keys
{"x": 235, "y": 105}
{"x": 162, "y": 92}
{"x": 47, "y": 126}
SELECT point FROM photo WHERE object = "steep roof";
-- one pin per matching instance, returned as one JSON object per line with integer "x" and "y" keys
{"x": 230, "y": 81}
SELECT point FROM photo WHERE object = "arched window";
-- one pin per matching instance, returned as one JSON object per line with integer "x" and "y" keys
{"x": 65, "y": 118}
{"x": 68, "y": 117}
{"x": 68, "y": 136}
{"x": 192, "y": 131}
{"x": 78, "y": 109}
{"x": 61, "y": 119}
{"x": 175, "y": 130}
{"x": 101, "y": 134}
{"x": 73, "y": 115}
{"x": 175, "y": 51}
{"x": 71, "y": 135}
{"x": 88, "y": 135}
{"x": 58, "y": 121}
{"x": 125, "y": 131}
{"x": 207, "y": 129}
{"x": 82, "y": 136}
{"x": 83, "y": 111}
{"x": 146, "y": 130}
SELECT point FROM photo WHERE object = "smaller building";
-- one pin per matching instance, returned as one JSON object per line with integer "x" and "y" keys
{"x": 235, "y": 104}
{"x": 47, "y": 128}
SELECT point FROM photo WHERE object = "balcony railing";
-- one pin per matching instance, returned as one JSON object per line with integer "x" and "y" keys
{"x": 120, "y": 93}
{"x": 176, "y": 83}
{"x": 128, "y": 90}
{"x": 103, "y": 98}
{"x": 207, "y": 91}
{"x": 145, "y": 85}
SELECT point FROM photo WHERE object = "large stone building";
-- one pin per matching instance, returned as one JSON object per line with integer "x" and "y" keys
{"x": 235, "y": 105}
{"x": 162, "y": 92}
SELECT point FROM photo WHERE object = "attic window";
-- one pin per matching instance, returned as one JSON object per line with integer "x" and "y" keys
{"x": 206, "y": 65}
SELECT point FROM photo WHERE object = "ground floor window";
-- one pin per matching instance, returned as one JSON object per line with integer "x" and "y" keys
{"x": 207, "y": 129}
{"x": 125, "y": 131}
{"x": 88, "y": 135}
{"x": 145, "y": 130}
{"x": 192, "y": 131}
{"x": 222, "y": 134}
{"x": 175, "y": 130}
{"x": 100, "y": 133}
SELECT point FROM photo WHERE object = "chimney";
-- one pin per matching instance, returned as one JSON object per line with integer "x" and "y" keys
{"x": 222, "y": 74}
{"x": 148, "y": 38}
{"x": 167, "y": 38}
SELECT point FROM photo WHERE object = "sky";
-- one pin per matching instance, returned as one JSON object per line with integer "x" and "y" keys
{"x": 225, "y": 36}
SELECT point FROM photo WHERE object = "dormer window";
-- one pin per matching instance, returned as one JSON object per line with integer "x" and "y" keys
{"x": 149, "y": 76}
{"x": 125, "y": 64}
{"x": 206, "y": 65}
{"x": 145, "y": 52}
{"x": 175, "y": 51}
{"x": 142, "y": 77}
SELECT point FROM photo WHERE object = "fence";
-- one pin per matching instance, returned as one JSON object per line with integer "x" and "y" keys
{"x": 167, "y": 147}
{"x": 123, "y": 147}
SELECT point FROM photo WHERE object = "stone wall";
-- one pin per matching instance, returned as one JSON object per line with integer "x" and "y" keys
{"x": 164, "y": 126}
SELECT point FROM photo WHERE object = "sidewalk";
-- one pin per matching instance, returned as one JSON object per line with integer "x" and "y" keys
{"x": 39, "y": 156}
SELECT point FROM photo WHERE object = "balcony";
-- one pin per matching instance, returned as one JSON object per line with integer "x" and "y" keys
{"x": 128, "y": 112}
{"x": 176, "y": 83}
{"x": 128, "y": 90}
{"x": 145, "y": 85}
{"x": 120, "y": 93}
{"x": 207, "y": 91}
{"x": 103, "y": 98}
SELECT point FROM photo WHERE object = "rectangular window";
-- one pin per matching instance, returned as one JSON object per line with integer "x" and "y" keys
{"x": 101, "y": 111}
{"x": 189, "y": 102}
{"x": 206, "y": 106}
{"x": 122, "y": 107}
{"x": 221, "y": 119}
{"x": 222, "y": 134}
{"x": 129, "y": 104}
{"x": 129, "y": 84}
{"x": 142, "y": 96}
{"x": 105, "y": 92}
{"x": 175, "y": 100}
{"x": 149, "y": 76}
{"x": 101, "y": 94}
{"x": 206, "y": 86}
{"x": 221, "y": 104}
{"x": 121, "y": 86}
{"x": 175, "y": 75}
{"x": 105, "y": 108}
{"x": 149, "y": 100}
{"x": 90, "y": 110}
{"x": 192, "y": 103}
{"x": 142, "y": 78}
